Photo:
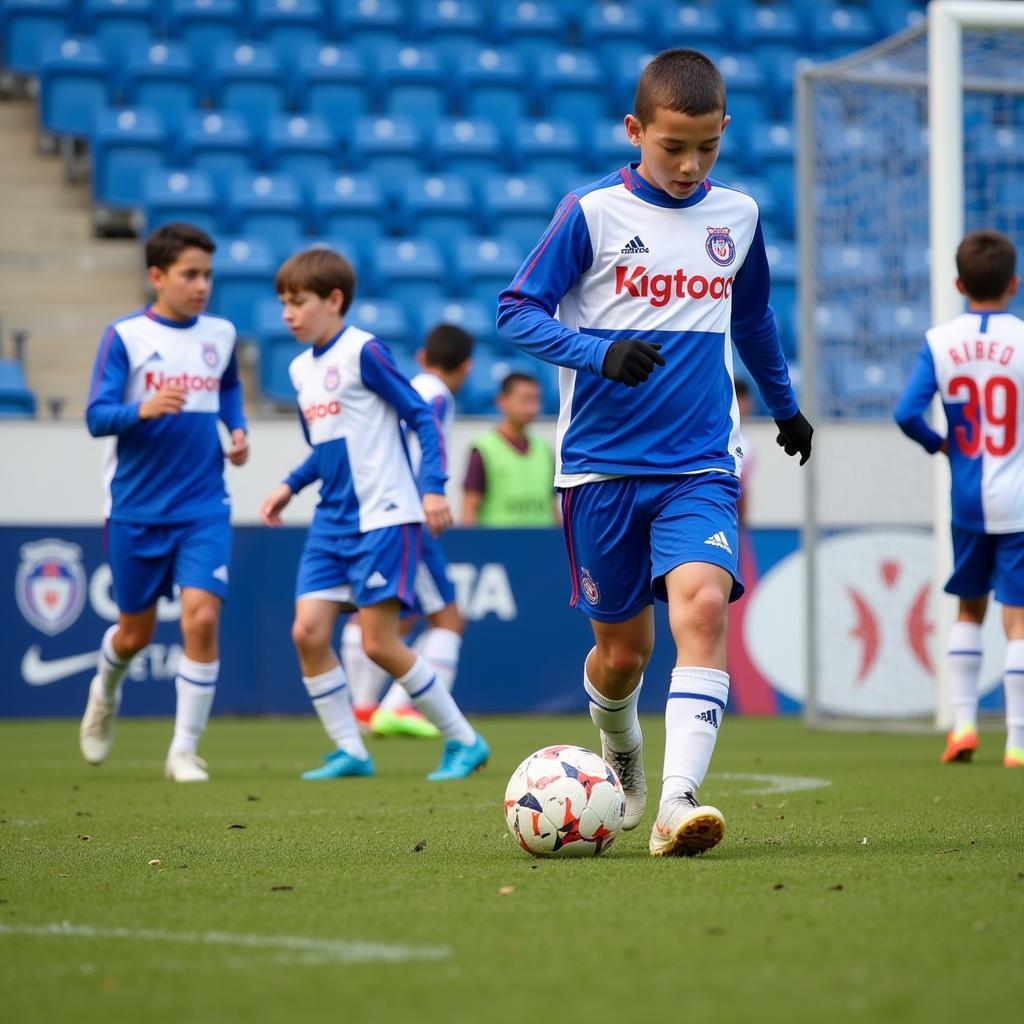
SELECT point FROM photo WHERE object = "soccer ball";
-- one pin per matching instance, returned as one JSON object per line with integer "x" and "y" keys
{"x": 564, "y": 801}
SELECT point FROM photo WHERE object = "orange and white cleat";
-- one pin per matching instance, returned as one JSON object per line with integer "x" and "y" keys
{"x": 1014, "y": 757}
{"x": 960, "y": 746}
{"x": 685, "y": 827}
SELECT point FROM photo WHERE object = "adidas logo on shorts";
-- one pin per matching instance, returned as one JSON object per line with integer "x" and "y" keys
{"x": 376, "y": 580}
{"x": 221, "y": 573}
{"x": 719, "y": 540}
{"x": 634, "y": 247}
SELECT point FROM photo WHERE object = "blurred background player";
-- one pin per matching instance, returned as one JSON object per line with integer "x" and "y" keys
{"x": 446, "y": 358}
{"x": 656, "y": 266}
{"x": 163, "y": 377}
{"x": 363, "y": 548}
{"x": 508, "y": 478}
{"x": 976, "y": 363}
{"x": 745, "y": 407}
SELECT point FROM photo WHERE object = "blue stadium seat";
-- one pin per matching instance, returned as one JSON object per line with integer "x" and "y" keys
{"x": 350, "y": 206}
{"x": 413, "y": 83}
{"x": 610, "y": 148}
{"x": 301, "y": 145}
{"x": 765, "y": 26}
{"x": 125, "y": 144}
{"x": 836, "y": 325}
{"x": 613, "y": 31}
{"x": 837, "y": 31}
{"x": 535, "y": 29}
{"x": 868, "y": 388}
{"x": 771, "y": 144}
{"x": 358, "y": 251}
{"x": 550, "y": 150}
{"x": 219, "y": 143}
{"x": 518, "y": 208}
{"x": 29, "y": 26}
{"x": 782, "y": 261}
{"x": 694, "y": 25}
{"x": 475, "y": 318}
{"x": 453, "y": 27}
{"x": 74, "y": 85}
{"x": 628, "y": 69}
{"x": 490, "y": 368}
{"x": 385, "y": 319}
{"x": 204, "y": 26}
{"x": 330, "y": 81}
{"x": 491, "y": 83}
{"x": 270, "y": 205}
{"x": 243, "y": 273}
{"x": 277, "y": 348}
{"x": 369, "y": 27}
{"x": 440, "y": 207}
{"x": 16, "y": 400}
{"x": 469, "y": 148}
{"x": 122, "y": 25}
{"x": 571, "y": 85}
{"x": 287, "y": 25}
{"x": 188, "y": 195}
{"x": 905, "y": 323}
{"x": 764, "y": 196}
{"x": 856, "y": 264}
{"x": 748, "y": 100}
{"x": 485, "y": 266}
{"x": 389, "y": 147}
{"x": 411, "y": 270}
{"x": 162, "y": 76}
{"x": 998, "y": 152}
{"x": 892, "y": 16}
{"x": 248, "y": 79}
{"x": 781, "y": 66}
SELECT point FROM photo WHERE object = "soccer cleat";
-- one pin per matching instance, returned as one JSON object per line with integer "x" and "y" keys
{"x": 340, "y": 764}
{"x": 184, "y": 766}
{"x": 96, "y": 733}
{"x": 960, "y": 746}
{"x": 629, "y": 766}
{"x": 1014, "y": 757}
{"x": 364, "y": 716}
{"x": 460, "y": 760}
{"x": 407, "y": 722}
{"x": 685, "y": 827}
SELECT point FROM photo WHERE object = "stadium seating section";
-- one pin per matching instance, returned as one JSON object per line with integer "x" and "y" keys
{"x": 428, "y": 139}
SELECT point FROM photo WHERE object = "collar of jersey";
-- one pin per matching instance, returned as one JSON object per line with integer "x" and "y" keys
{"x": 324, "y": 349}
{"x": 642, "y": 189}
{"x": 180, "y": 325}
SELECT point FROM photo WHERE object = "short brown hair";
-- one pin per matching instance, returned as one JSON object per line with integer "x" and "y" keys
{"x": 683, "y": 80}
{"x": 447, "y": 347}
{"x": 166, "y": 244}
{"x": 320, "y": 271}
{"x": 517, "y": 377}
{"x": 986, "y": 262}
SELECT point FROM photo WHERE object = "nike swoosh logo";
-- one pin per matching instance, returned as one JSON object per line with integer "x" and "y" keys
{"x": 37, "y": 672}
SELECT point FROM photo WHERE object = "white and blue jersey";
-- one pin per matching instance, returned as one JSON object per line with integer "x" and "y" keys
{"x": 621, "y": 259}
{"x": 435, "y": 393}
{"x": 976, "y": 364}
{"x": 167, "y": 470}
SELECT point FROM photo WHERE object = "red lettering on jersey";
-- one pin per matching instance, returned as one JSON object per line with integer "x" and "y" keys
{"x": 659, "y": 288}
{"x": 1006, "y": 356}
{"x": 992, "y": 351}
{"x": 155, "y": 381}
{"x": 321, "y": 410}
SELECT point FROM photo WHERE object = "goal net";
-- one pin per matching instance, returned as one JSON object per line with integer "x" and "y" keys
{"x": 894, "y": 165}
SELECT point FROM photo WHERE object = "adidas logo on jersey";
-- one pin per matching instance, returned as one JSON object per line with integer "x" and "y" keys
{"x": 634, "y": 247}
{"x": 719, "y": 540}
{"x": 710, "y": 716}
{"x": 376, "y": 580}
{"x": 221, "y": 573}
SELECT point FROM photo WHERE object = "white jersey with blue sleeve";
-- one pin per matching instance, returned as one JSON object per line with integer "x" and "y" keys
{"x": 623, "y": 260}
{"x": 352, "y": 399}
{"x": 435, "y": 393}
{"x": 976, "y": 364}
{"x": 171, "y": 469}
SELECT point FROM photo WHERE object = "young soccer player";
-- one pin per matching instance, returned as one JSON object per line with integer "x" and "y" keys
{"x": 364, "y": 546}
{"x": 976, "y": 363}
{"x": 656, "y": 270}
{"x": 446, "y": 358}
{"x": 163, "y": 378}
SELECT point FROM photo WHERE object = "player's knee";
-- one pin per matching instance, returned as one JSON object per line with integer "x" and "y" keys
{"x": 374, "y": 646}
{"x": 449, "y": 617}
{"x": 133, "y": 638}
{"x": 706, "y": 611}
{"x": 201, "y": 624}
{"x": 308, "y": 637}
{"x": 623, "y": 661}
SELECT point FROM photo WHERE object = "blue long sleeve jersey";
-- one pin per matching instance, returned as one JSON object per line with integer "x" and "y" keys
{"x": 622, "y": 259}
{"x": 167, "y": 470}
{"x": 352, "y": 401}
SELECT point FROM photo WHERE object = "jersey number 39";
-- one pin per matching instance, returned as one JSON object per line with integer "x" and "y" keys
{"x": 993, "y": 411}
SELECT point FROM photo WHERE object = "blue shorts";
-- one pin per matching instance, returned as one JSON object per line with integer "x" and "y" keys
{"x": 624, "y": 536}
{"x": 988, "y": 561}
{"x": 146, "y": 560}
{"x": 432, "y": 587}
{"x": 361, "y": 569}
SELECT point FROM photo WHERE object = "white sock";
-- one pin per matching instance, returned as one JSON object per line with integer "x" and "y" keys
{"x": 330, "y": 696}
{"x": 366, "y": 678}
{"x": 111, "y": 668}
{"x": 695, "y": 707}
{"x": 615, "y": 718}
{"x": 196, "y": 684}
{"x": 440, "y": 648}
{"x": 1013, "y": 687}
{"x": 964, "y": 657}
{"x": 439, "y": 706}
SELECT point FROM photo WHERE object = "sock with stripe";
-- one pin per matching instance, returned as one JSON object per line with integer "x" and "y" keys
{"x": 964, "y": 658}
{"x": 615, "y": 718}
{"x": 111, "y": 668}
{"x": 365, "y": 677}
{"x": 1013, "y": 686}
{"x": 440, "y": 648}
{"x": 196, "y": 683}
{"x": 330, "y": 696}
{"x": 693, "y": 713}
{"x": 430, "y": 697}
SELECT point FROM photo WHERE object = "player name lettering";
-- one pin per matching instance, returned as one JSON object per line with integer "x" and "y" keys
{"x": 321, "y": 410}
{"x": 659, "y": 288}
{"x": 993, "y": 351}
{"x": 190, "y": 382}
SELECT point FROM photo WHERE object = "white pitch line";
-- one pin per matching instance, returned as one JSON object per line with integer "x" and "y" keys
{"x": 770, "y": 784}
{"x": 334, "y": 950}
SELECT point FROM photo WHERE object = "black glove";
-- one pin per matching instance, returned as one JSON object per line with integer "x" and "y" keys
{"x": 795, "y": 436}
{"x": 631, "y": 362}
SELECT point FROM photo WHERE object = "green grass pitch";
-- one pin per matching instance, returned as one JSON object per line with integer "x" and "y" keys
{"x": 894, "y": 891}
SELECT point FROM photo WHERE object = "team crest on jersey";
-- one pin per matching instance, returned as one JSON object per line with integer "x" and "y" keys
{"x": 209, "y": 354}
{"x": 50, "y": 585}
{"x": 332, "y": 378}
{"x": 591, "y": 591}
{"x": 720, "y": 246}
